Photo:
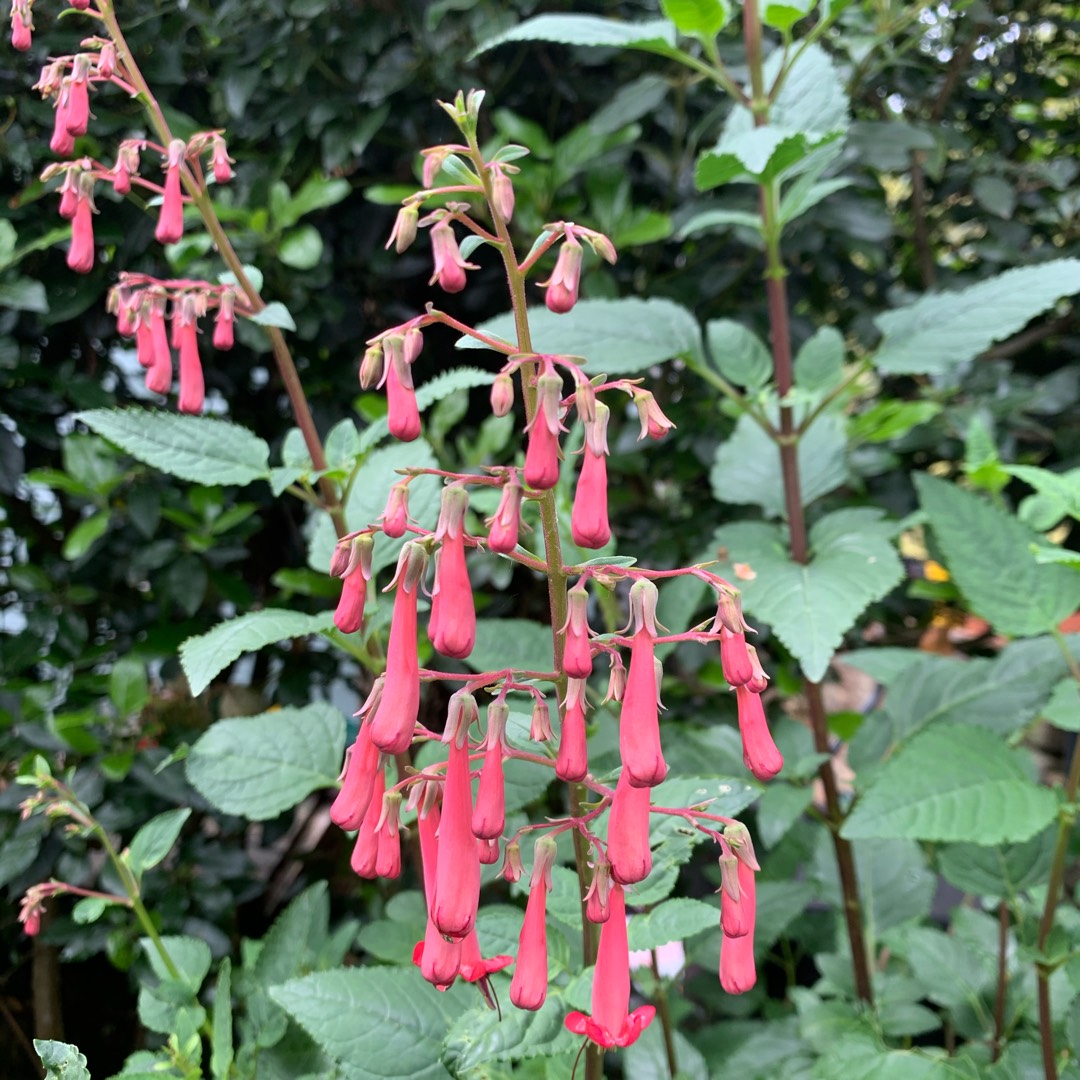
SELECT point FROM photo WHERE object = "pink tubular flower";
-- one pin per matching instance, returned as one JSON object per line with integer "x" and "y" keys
{"x": 734, "y": 659}
{"x": 395, "y": 518}
{"x": 403, "y": 413}
{"x": 528, "y": 989}
{"x": 474, "y": 967}
{"x": 69, "y": 193}
{"x": 577, "y": 651}
{"x": 388, "y": 838}
{"x": 62, "y": 141}
{"x": 616, "y": 686}
{"x": 349, "y": 614}
{"x": 394, "y": 721}
{"x": 489, "y": 814}
{"x": 450, "y": 267}
{"x": 737, "y": 912}
{"x": 542, "y": 453}
{"x": 170, "y": 225}
{"x": 540, "y": 722}
{"x": 437, "y": 958}
{"x": 404, "y": 231}
{"x": 223, "y": 321}
{"x": 628, "y": 848}
{"x": 192, "y": 387}
{"x": 505, "y": 525}
{"x": 572, "y": 763}
{"x": 159, "y": 374}
{"x": 502, "y": 189}
{"x": 598, "y": 898}
{"x": 457, "y": 870}
{"x": 351, "y": 804}
{"x": 220, "y": 161}
{"x": 610, "y": 1025}
{"x": 106, "y": 61}
{"x": 562, "y": 286}
{"x": 589, "y": 524}
{"x": 654, "y": 424}
{"x": 737, "y": 971}
{"x": 489, "y": 851}
{"x": 759, "y": 683}
{"x": 22, "y": 26}
{"x": 639, "y": 724}
{"x": 365, "y": 855}
{"x": 760, "y": 754}
{"x": 77, "y": 117}
{"x": 452, "y": 626}
{"x": 502, "y": 394}
{"x": 80, "y": 257}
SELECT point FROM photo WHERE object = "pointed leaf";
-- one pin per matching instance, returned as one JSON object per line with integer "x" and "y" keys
{"x": 155, "y": 840}
{"x": 589, "y": 30}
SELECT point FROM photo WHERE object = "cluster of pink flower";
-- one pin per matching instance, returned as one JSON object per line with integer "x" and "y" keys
{"x": 457, "y": 833}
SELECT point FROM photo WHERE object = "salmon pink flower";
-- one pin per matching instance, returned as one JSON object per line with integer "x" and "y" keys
{"x": 388, "y": 837}
{"x": 489, "y": 814}
{"x": 759, "y": 682}
{"x": 562, "y": 286}
{"x": 22, "y": 26}
{"x": 598, "y": 897}
{"x": 77, "y": 116}
{"x": 528, "y": 989}
{"x": 542, "y": 452}
{"x": 654, "y": 424}
{"x": 349, "y": 614}
{"x": 572, "y": 764}
{"x": 502, "y": 189}
{"x": 223, "y": 321}
{"x": 737, "y": 899}
{"x": 760, "y": 754}
{"x": 505, "y": 525}
{"x": 452, "y": 626}
{"x": 457, "y": 881}
{"x": 488, "y": 850}
{"x": 737, "y": 971}
{"x": 220, "y": 161}
{"x": 365, "y": 855}
{"x": 639, "y": 725}
{"x": 540, "y": 722}
{"x": 450, "y": 267}
{"x": 362, "y": 764}
{"x": 80, "y": 257}
{"x": 403, "y": 413}
{"x": 395, "y": 517}
{"x": 589, "y": 524}
{"x": 394, "y": 721}
{"x": 628, "y": 848}
{"x": 734, "y": 659}
{"x": 577, "y": 651}
{"x": 610, "y": 1024}
{"x": 185, "y": 324}
{"x": 159, "y": 374}
{"x": 502, "y": 394}
{"x": 170, "y": 225}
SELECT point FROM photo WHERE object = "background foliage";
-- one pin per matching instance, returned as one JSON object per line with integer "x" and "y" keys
{"x": 951, "y": 165}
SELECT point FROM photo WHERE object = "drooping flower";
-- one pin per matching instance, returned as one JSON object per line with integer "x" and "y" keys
{"x": 736, "y": 896}
{"x": 159, "y": 374}
{"x": 349, "y": 613}
{"x": 489, "y": 814}
{"x": 540, "y": 722}
{"x": 457, "y": 881}
{"x": 223, "y": 321}
{"x": 192, "y": 387}
{"x": 372, "y": 366}
{"x": 77, "y": 117}
{"x": 542, "y": 452}
{"x": 452, "y": 627}
{"x": 170, "y": 225}
{"x": 737, "y": 971}
{"x": 80, "y": 257}
{"x": 654, "y": 424}
{"x": 562, "y": 286}
{"x": 404, "y": 231}
{"x": 528, "y": 989}
{"x": 611, "y": 1024}
{"x": 388, "y": 837}
{"x": 502, "y": 394}
{"x": 589, "y": 523}
{"x": 760, "y": 754}
{"x": 365, "y": 855}
{"x": 734, "y": 659}
{"x": 628, "y": 848}
{"x": 489, "y": 851}
{"x": 22, "y": 26}
{"x": 504, "y": 525}
{"x": 403, "y": 413}
{"x": 639, "y": 724}
{"x": 395, "y": 517}
{"x": 759, "y": 683}
{"x": 220, "y": 162}
{"x": 351, "y": 804}
{"x": 572, "y": 764}
{"x": 502, "y": 190}
{"x": 437, "y": 958}
{"x": 577, "y": 650}
{"x": 450, "y": 267}
{"x": 394, "y": 721}
{"x": 598, "y": 897}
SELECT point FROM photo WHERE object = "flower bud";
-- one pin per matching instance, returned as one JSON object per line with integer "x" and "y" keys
{"x": 540, "y": 725}
{"x": 597, "y": 899}
{"x": 504, "y": 526}
{"x": 396, "y": 515}
{"x": 404, "y": 231}
{"x": 502, "y": 190}
{"x": 562, "y": 286}
{"x": 512, "y": 867}
{"x": 371, "y": 367}
{"x": 502, "y": 394}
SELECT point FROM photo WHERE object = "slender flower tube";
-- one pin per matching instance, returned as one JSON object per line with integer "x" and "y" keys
{"x": 760, "y": 754}
{"x": 223, "y": 321}
{"x": 734, "y": 658}
{"x": 505, "y": 525}
{"x": 577, "y": 651}
{"x": 403, "y": 413}
{"x": 639, "y": 725}
{"x": 170, "y": 226}
{"x": 489, "y": 814}
{"x": 388, "y": 837}
{"x": 528, "y": 988}
{"x": 450, "y": 267}
{"x": 77, "y": 117}
{"x": 628, "y": 848}
{"x": 349, "y": 613}
{"x": 542, "y": 452}
{"x": 598, "y": 898}
{"x": 589, "y": 523}
{"x": 453, "y": 625}
{"x": 348, "y": 809}
{"x": 457, "y": 882}
{"x": 572, "y": 764}
{"x": 610, "y": 1024}
{"x": 220, "y": 162}
{"x": 365, "y": 854}
{"x": 62, "y": 141}
{"x": 192, "y": 387}
{"x": 737, "y": 912}
{"x": 437, "y": 958}
{"x": 562, "y": 286}
{"x": 395, "y": 720}
{"x": 22, "y": 27}
{"x": 159, "y": 375}
{"x": 737, "y": 971}
{"x": 80, "y": 257}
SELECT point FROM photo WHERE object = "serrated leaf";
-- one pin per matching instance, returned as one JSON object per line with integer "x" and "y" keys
{"x": 940, "y": 332}
{"x": 747, "y": 466}
{"x": 811, "y": 607}
{"x": 196, "y": 448}
{"x": 673, "y": 920}
{"x": 820, "y": 362}
{"x": 205, "y": 655}
{"x": 1063, "y": 708}
{"x": 988, "y": 554}
{"x": 511, "y": 643}
{"x": 1003, "y": 870}
{"x": 274, "y": 314}
{"x": 699, "y": 17}
{"x": 221, "y": 1054}
{"x": 782, "y": 16}
{"x": 61, "y": 1060}
{"x": 481, "y": 1035}
{"x": 190, "y": 957}
{"x": 379, "y": 1023}
{"x": 155, "y": 840}
{"x": 738, "y": 353}
{"x": 617, "y": 337}
{"x": 261, "y": 765}
{"x": 89, "y": 909}
{"x": 891, "y": 419}
{"x": 952, "y": 783}
{"x": 591, "y": 31}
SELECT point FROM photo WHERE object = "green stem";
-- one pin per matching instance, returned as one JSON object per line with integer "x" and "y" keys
{"x": 201, "y": 200}
{"x": 664, "y": 1011}
{"x": 1066, "y": 821}
{"x": 776, "y": 293}
{"x": 755, "y": 412}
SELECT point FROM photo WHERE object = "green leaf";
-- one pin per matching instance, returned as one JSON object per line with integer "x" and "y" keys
{"x": 673, "y": 920}
{"x": 24, "y": 294}
{"x": 747, "y": 466}
{"x": 252, "y": 273}
{"x": 616, "y": 337}
{"x": 811, "y": 607}
{"x": 995, "y": 195}
{"x": 806, "y": 193}
{"x": 1004, "y": 870}
{"x": 155, "y": 840}
{"x": 301, "y": 248}
{"x": 274, "y": 314}
{"x": 481, "y": 1036}
{"x": 511, "y": 643}
{"x": 952, "y": 783}
{"x": 589, "y": 30}
{"x": 205, "y": 655}
{"x": 89, "y": 909}
{"x": 820, "y": 361}
{"x": 190, "y": 956}
{"x": 196, "y": 448}
{"x": 780, "y": 807}
{"x": 988, "y": 554}
{"x": 261, "y": 765}
{"x": 1063, "y": 708}
{"x": 221, "y": 1054}
{"x": 810, "y": 111}
{"x": 704, "y": 18}
{"x": 711, "y": 219}
{"x": 783, "y": 16}
{"x": 61, "y": 1060}
{"x": 377, "y": 1022}
{"x": 942, "y": 331}
{"x": 316, "y": 193}
{"x": 83, "y": 537}
{"x": 646, "y": 1059}
{"x": 128, "y": 686}
{"x": 738, "y": 353}
{"x": 891, "y": 419}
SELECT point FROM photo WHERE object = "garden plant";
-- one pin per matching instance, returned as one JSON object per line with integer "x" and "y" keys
{"x": 490, "y": 594}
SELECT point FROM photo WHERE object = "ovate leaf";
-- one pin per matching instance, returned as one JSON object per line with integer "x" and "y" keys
{"x": 196, "y": 448}
{"x": 589, "y": 30}
{"x": 155, "y": 840}
{"x": 939, "y": 332}
{"x": 952, "y": 783}
{"x": 988, "y": 554}
{"x": 673, "y": 920}
{"x": 703, "y": 18}
{"x": 810, "y": 608}
{"x": 258, "y": 766}
{"x": 738, "y": 353}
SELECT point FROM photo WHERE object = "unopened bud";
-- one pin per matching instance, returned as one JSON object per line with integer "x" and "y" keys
{"x": 512, "y": 867}
{"x": 729, "y": 876}
{"x": 502, "y": 394}
{"x": 404, "y": 231}
{"x": 540, "y": 724}
{"x": 616, "y": 679}
{"x": 360, "y": 554}
{"x": 396, "y": 515}
{"x": 371, "y": 367}
{"x": 738, "y": 837}
{"x": 597, "y": 899}
{"x": 340, "y": 560}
